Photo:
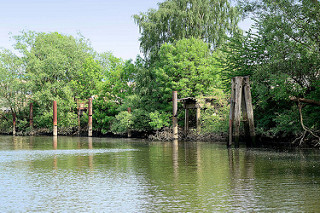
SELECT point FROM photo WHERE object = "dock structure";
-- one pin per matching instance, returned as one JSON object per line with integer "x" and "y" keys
{"x": 191, "y": 103}
{"x": 82, "y": 106}
{"x": 241, "y": 104}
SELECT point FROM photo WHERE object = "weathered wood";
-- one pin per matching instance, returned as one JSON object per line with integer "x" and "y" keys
{"x": 245, "y": 118}
{"x": 55, "y": 120}
{"x": 175, "y": 115}
{"x": 90, "y": 117}
{"x": 241, "y": 103}
{"x": 198, "y": 118}
{"x": 55, "y": 142}
{"x": 249, "y": 109}
{"x": 231, "y": 113}
{"x": 31, "y": 115}
{"x": 186, "y": 122}
{"x": 14, "y": 123}
{"x": 129, "y": 130}
{"x": 79, "y": 122}
{"x": 237, "y": 108}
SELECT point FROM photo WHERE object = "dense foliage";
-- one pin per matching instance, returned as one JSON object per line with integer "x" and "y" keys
{"x": 190, "y": 46}
{"x": 282, "y": 55}
{"x": 209, "y": 20}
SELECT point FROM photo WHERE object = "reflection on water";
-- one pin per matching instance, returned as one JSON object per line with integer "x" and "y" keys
{"x": 54, "y": 174}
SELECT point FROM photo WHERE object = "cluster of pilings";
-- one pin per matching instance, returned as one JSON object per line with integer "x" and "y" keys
{"x": 55, "y": 118}
{"x": 240, "y": 105}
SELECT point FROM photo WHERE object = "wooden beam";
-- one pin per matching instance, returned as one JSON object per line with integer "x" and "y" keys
{"x": 198, "y": 118}
{"x": 186, "y": 122}
{"x": 90, "y": 117}
{"x": 14, "y": 117}
{"x": 249, "y": 109}
{"x": 231, "y": 113}
{"x": 175, "y": 115}
{"x": 129, "y": 130}
{"x": 31, "y": 115}
{"x": 237, "y": 108}
{"x": 55, "y": 120}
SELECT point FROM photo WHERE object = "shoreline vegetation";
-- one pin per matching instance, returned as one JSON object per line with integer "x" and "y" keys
{"x": 165, "y": 135}
{"x": 192, "y": 47}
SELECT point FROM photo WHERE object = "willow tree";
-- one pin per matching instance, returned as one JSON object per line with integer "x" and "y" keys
{"x": 209, "y": 20}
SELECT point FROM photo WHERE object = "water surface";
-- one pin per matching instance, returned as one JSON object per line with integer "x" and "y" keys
{"x": 72, "y": 174}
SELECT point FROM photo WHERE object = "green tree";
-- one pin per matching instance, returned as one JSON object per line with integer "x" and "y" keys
{"x": 209, "y": 20}
{"x": 117, "y": 84}
{"x": 187, "y": 66}
{"x": 283, "y": 58}
{"x": 53, "y": 62}
{"x": 13, "y": 90}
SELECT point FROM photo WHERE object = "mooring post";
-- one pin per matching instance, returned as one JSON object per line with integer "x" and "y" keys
{"x": 90, "y": 117}
{"x": 231, "y": 113}
{"x": 129, "y": 130}
{"x": 198, "y": 118}
{"x": 55, "y": 142}
{"x": 241, "y": 103}
{"x": 55, "y": 120}
{"x": 14, "y": 116}
{"x": 237, "y": 109}
{"x": 79, "y": 122}
{"x": 175, "y": 115}
{"x": 186, "y": 121}
{"x": 249, "y": 109}
{"x": 31, "y": 115}
{"x": 245, "y": 117}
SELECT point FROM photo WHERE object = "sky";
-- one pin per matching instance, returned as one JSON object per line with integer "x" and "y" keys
{"x": 108, "y": 24}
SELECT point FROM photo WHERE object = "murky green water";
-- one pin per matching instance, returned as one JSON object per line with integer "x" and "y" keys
{"x": 70, "y": 174}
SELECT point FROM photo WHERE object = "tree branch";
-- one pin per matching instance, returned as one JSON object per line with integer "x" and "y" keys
{"x": 306, "y": 130}
{"x": 307, "y": 101}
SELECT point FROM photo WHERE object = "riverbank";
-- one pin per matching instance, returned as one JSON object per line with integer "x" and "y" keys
{"x": 166, "y": 135}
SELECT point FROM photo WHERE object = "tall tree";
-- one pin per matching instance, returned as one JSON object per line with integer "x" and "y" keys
{"x": 13, "y": 90}
{"x": 283, "y": 57}
{"x": 187, "y": 66}
{"x": 53, "y": 61}
{"x": 209, "y": 20}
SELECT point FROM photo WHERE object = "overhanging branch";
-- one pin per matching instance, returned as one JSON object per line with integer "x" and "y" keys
{"x": 307, "y": 101}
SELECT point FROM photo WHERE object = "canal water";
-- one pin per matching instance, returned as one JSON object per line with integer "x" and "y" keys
{"x": 72, "y": 174}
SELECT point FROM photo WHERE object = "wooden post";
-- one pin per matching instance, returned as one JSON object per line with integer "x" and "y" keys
{"x": 55, "y": 142}
{"x": 241, "y": 102}
{"x": 175, "y": 115}
{"x": 14, "y": 123}
{"x": 198, "y": 118}
{"x": 129, "y": 130}
{"x": 186, "y": 121}
{"x": 231, "y": 114}
{"x": 249, "y": 108}
{"x": 55, "y": 120}
{"x": 245, "y": 117}
{"x": 237, "y": 109}
{"x": 90, "y": 117}
{"x": 31, "y": 116}
{"x": 79, "y": 122}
